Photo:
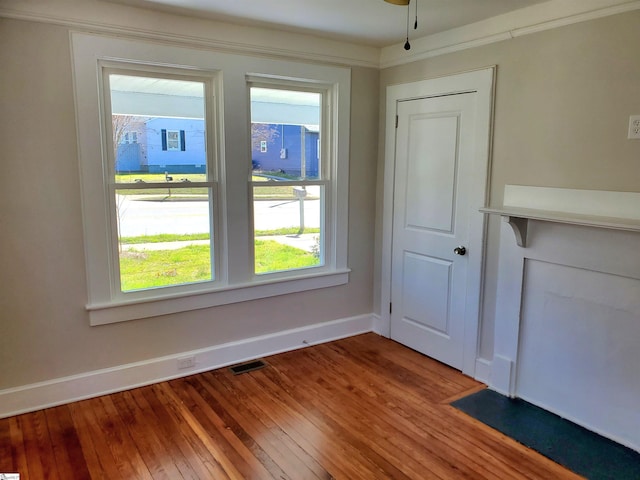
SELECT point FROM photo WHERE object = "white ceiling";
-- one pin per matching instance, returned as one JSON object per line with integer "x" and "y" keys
{"x": 368, "y": 22}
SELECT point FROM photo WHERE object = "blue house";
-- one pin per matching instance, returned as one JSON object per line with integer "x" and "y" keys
{"x": 165, "y": 132}
{"x": 175, "y": 145}
{"x": 292, "y": 149}
{"x": 158, "y": 145}
{"x": 129, "y": 157}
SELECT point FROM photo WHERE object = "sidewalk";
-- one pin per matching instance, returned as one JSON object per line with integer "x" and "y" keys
{"x": 306, "y": 241}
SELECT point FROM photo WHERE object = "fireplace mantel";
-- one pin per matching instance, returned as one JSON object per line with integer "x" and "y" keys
{"x": 590, "y": 208}
{"x": 518, "y": 220}
{"x": 567, "y": 319}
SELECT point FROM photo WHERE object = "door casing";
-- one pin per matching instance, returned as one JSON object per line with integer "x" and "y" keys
{"x": 482, "y": 83}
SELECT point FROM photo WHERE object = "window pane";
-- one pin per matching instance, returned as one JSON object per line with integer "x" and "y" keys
{"x": 158, "y": 129}
{"x": 285, "y": 134}
{"x": 163, "y": 237}
{"x": 287, "y": 227}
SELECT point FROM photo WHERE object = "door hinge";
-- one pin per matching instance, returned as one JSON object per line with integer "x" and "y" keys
{"x": 390, "y": 307}
{"x": 396, "y": 121}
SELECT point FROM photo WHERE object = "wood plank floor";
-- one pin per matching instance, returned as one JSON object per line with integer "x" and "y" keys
{"x": 359, "y": 408}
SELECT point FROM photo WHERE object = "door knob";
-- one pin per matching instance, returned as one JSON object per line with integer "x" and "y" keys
{"x": 460, "y": 250}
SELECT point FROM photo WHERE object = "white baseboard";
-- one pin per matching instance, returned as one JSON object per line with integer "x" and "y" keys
{"x": 501, "y": 379}
{"x": 483, "y": 370}
{"x": 381, "y": 326}
{"x": 36, "y": 396}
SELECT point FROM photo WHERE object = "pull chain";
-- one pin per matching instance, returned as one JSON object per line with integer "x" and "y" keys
{"x": 407, "y": 45}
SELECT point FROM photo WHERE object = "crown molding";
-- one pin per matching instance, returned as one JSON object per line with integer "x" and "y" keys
{"x": 134, "y": 22}
{"x": 109, "y": 18}
{"x": 537, "y": 18}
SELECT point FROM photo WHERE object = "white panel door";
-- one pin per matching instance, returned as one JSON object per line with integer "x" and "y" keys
{"x": 430, "y": 253}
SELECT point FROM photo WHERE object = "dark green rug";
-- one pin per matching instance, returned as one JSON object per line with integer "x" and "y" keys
{"x": 576, "y": 448}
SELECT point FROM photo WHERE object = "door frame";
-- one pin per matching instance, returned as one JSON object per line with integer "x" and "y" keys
{"x": 482, "y": 83}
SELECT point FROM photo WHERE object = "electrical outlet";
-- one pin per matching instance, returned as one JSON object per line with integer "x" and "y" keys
{"x": 186, "y": 362}
{"x": 634, "y": 127}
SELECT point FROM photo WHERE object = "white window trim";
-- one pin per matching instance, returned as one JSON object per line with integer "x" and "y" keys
{"x": 235, "y": 281}
{"x": 112, "y": 312}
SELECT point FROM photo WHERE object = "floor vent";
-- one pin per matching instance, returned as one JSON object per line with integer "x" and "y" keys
{"x": 247, "y": 367}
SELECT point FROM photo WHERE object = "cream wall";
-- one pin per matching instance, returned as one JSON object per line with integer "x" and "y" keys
{"x": 44, "y": 328}
{"x": 563, "y": 98}
{"x": 562, "y": 105}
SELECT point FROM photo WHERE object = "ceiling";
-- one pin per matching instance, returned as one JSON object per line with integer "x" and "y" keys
{"x": 367, "y": 22}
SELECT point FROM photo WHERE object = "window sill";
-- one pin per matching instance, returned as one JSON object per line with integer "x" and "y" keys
{"x": 121, "y": 311}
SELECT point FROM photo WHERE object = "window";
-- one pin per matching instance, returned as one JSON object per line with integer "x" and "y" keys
{"x": 288, "y": 197}
{"x": 162, "y": 204}
{"x": 127, "y": 138}
{"x": 171, "y": 220}
{"x": 173, "y": 140}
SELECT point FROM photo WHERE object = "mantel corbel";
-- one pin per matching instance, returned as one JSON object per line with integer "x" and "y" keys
{"x": 519, "y": 226}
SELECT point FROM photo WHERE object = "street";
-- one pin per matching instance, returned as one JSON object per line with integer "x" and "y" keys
{"x": 140, "y": 217}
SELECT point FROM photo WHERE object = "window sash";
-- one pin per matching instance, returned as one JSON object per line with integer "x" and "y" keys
{"x": 171, "y": 140}
{"x": 323, "y": 247}
{"x": 325, "y": 166}
{"x": 326, "y": 117}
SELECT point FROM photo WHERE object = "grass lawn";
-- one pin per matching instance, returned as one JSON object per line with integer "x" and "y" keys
{"x": 161, "y": 268}
{"x": 159, "y": 177}
{"x": 272, "y": 256}
{"x": 163, "y": 237}
{"x": 178, "y": 237}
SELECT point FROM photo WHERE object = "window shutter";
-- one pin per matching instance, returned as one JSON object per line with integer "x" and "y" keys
{"x": 163, "y": 134}
{"x": 183, "y": 146}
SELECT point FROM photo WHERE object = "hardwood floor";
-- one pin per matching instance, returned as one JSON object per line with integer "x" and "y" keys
{"x": 359, "y": 408}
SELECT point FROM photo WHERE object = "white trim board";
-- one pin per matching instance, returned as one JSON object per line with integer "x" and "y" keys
{"x": 36, "y": 396}
{"x": 483, "y": 370}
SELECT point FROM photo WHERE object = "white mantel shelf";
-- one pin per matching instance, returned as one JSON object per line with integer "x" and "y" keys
{"x": 518, "y": 219}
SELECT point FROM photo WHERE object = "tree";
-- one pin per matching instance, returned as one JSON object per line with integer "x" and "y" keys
{"x": 262, "y": 132}
{"x": 121, "y": 124}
